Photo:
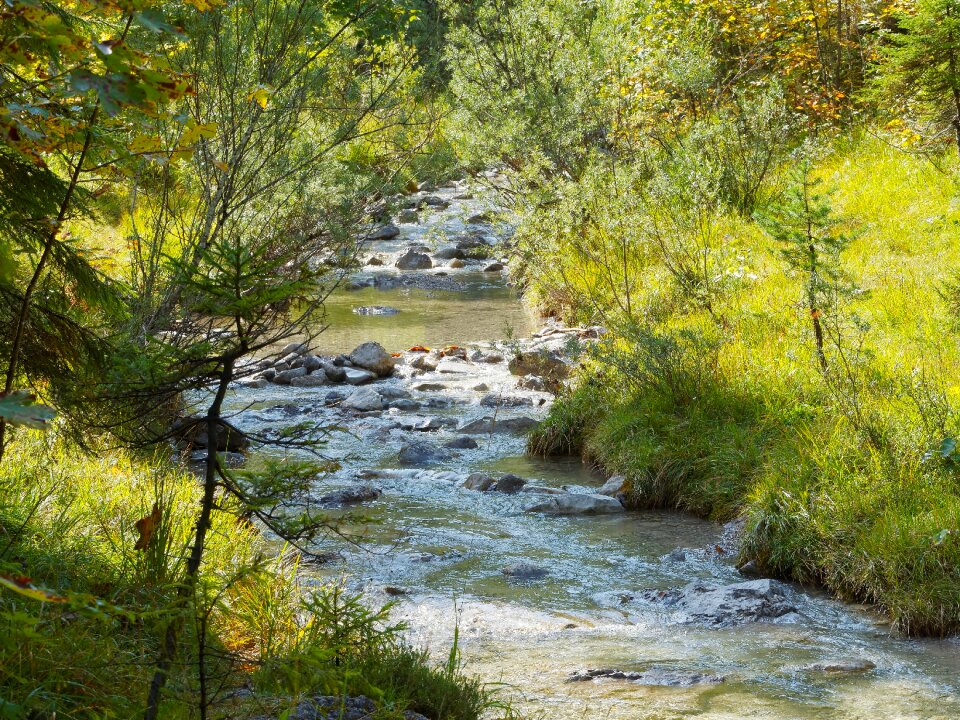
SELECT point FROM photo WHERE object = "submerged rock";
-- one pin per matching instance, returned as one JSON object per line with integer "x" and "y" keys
{"x": 462, "y": 443}
{"x": 578, "y": 504}
{"x": 841, "y": 667}
{"x": 725, "y": 605}
{"x": 525, "y": 571}
{"x": 376, "y": 310}
{"x": 654, "y": 676}
{"x": 351, "y": 496}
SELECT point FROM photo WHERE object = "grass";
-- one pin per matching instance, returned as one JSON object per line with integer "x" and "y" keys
{"x": 834, "y": 474}
{"x": 67, "y": 523}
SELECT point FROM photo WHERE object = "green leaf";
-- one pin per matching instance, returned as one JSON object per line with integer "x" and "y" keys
{"x": 20, "y": 408}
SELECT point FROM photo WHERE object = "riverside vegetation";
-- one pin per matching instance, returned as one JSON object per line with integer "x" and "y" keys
{"x": 758, "y": 202}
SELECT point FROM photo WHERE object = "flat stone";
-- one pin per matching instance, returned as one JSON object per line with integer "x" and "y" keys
{"x": 357, "y": 376}
{"x": 364, "y": 399}
{"x": 494, "y": 400}
{"x": 841, "y": 667}
{"x": 351, "y": 496}
{"x": 316, "y": 379}
{"x": 385, "y": 232}
{"x": 462, "y": 443}
{"x": 285, "y": 377}
{"x": 578, "y": 504}
{"x": 375, "y": 310}
{"x": 726, "y": 605}
{"x": 525, "y": 571}
{"x": 615, "y": 486}
{"x": 487, "y": 425}
{"x": 655, "y": 677}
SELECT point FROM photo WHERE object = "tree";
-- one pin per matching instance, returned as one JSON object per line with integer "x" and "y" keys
{"x": 922, "y": 66}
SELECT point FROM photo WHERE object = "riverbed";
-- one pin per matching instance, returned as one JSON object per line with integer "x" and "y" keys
{"x": 439, "y": 550}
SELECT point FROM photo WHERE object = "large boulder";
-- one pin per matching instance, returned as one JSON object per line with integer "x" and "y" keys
{"x": 725, "y": 605}
{"x": 385, "y": 232}
{"x": 371, "y": 356}
{"x": 578, "y": 504}
{"x": 413, "y": 260}
{"x": 450, "y": 252}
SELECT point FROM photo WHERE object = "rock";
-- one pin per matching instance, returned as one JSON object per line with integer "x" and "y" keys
{"x": 338, "y": 707}
{"x": 333, "y": 372}
{"x": 297, "y": 348}
{"x": 430, "y": 387}
{"x": 449, "y": 253}
{"x": 376, "y": 310}
{"x": 841, "y": 667}
{"x": 471, "y": 242}
{"x": 453, "y": 366}
{"x": 193, "y": 431}
{"x": 357, "y": 376}
{"x": 408, "y": 215}
{"x": 405, "y": 405}
{"x": 385, "y": 232}
{"x": 509, "y": 484}
{"x": 614, "y": 487}
{"x": 371, "y": 356}
{"x": 541, "y": 490}
{"x": 578, "y": 504}
{"x": 421, "y": 453}
{"x": 413, "y": 260}
{"x": 255, "y": 383}
{"x": 424, "y": 362}
{"x": 655, "y": 676}
{"x": 422, "y": 424}
{"x": 351, "y": 496}
{"x": 494, "y": 400}
{"x": 389, "y": 392}
{"x": 312, "y": 363}
{"x": 335, "y": 398}
{"x": 363, "y": 399}
{"x": 375, "y": 260}
{"x": 479, "y": 218}
{"x": 284, "y": 378}
{"x": 462, "y": 443}
{"x": 426, "y": 186}
{"x": 677, "y": 555}
{"x": 316, "y": 379}
{"x": 487, "y": 425}
{"x": 525, "y": 571}
{"x": 269, "y": 374}
{"x": 493, "y": 267}
{"x": 725, "y": 605}
{"x": 281, "y": 367}
{"x": 543, "y": 363}
{"x": 486, "y": 357}
{"x": 433, "y": 201}
{"x": 534, "y": 383}
{"x": 750, "y": 569}
{"x": 394, "y": 591}
{"x": 480, "y": 387}
{"x": 479, "y": 482}
{"x": 457, "y": 264}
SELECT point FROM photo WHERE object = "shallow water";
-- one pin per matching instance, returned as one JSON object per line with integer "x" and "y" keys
{"x": 445, "y": 547}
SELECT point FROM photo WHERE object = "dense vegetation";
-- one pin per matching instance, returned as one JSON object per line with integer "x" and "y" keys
{"x": 757, "y": 199}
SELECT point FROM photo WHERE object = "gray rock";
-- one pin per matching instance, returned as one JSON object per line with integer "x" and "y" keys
{"x": 433, "y": 201}
{"x": 486, "y": 357}
{"x": 385, "y": 232}
{"x": 269, "y": 374}
{"x": 294, "y": 347}
{"x": 509, "y": 484}
{"x": 371, "y": 356}
{"x": 312, "y": 363}
{"x": 494, "y": 400}
{"x": 424, "y": 362}
{"x": 479, "y": 218}
{"x": 405, "y": 405}
{"x": 725, "y": 605}
{"x": 487, "y": 425}
{"x": 430, "y": 387}
{"x": 450, "y": 252}
{"x": 493, "y": 267}
{"x": 392, "y": 392}
{"x": 408, "y": 215}
{"x": 456, "y": 264}
{"x": 614, "y": 487}
{"x": 525, "y": 571}
{"x": 254, "y": 383}
{"x": 281, "y": 367}
{"x": 363, "y": 399}
{"x": 413, "y": 260}
{"x": 535, "y": 383}
{"x": 543, "y": 363}
{"x": 351, "y": 496}
{"x": 421, "y": 453}
{"x": 541, "y": 490}
{"x": 479, "y": 482}
{"x": 284, "y": 378}
{"x": 375, "y": 260}
{"x": 316, "y": 379}
{"x": 654, "y": 676}
{"x": 462, "y": 443}
{"x": 578, "y": 504}
{"x": 841, "y": 667}
{"x": 453, "y": 366}
{"x": 357, "y": 376}
{"x": 750, "y": 569}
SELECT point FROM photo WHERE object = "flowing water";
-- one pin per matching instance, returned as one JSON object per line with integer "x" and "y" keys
{"x": 442, "y": 547}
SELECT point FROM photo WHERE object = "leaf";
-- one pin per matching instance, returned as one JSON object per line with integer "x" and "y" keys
{"x": 260, "y": 95}
{"x": 146, "y": 526}
{"x": 948, "y": 447}
{"x": 220, "y": 165}
{"x": 195, "y": 131}
{"x": 20, "y": 408}
{"x": 24, "y": 586}
{"x": 145, "y": 144}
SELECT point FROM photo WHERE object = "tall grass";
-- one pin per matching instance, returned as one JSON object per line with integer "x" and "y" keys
{"x": 833, "y": 471}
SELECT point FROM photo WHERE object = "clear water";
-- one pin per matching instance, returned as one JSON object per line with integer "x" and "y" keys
{"x": 446, "y": 546}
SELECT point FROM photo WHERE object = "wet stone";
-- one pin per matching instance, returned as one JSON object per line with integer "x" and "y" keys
{"x": 841, "y": 667}
{"x": 376, "y": 310}
{"x": 420, "y": 453}
{"x": 525, "y": 571}
{"x": 351, "y": 496}
{"x": 655, "y": 677}
{"x": 726, "y": 605}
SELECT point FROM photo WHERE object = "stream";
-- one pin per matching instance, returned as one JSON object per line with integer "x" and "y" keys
{"x": 439, "y": 550}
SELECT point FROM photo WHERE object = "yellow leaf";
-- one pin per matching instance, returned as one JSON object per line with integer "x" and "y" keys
{"x": 260, "y": 95}
{"x": 221, "y": 165}
{"x": 145, "y": 144}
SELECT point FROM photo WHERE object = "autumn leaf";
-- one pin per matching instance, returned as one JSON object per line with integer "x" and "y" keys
{"x": 260, "y": 95}
{"x": 146, "y": 526}
{"x": 25, "y": 587}
{"x": 419, "y": 348}
{"x": 220, "y": 165}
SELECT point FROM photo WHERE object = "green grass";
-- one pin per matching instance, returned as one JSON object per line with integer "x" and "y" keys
{"x": 833, "y": 476}
{"x": 67, "y": 523}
